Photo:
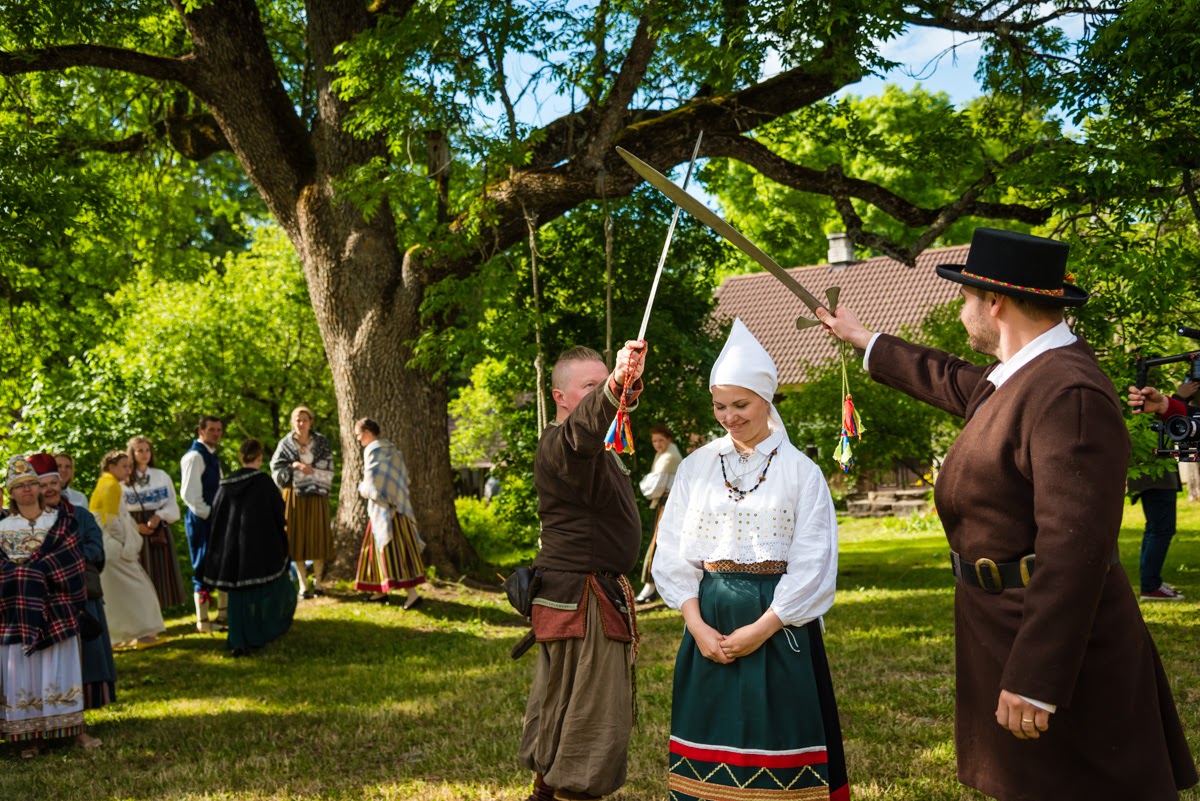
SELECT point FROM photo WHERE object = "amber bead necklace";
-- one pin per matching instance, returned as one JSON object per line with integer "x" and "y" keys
{"x": 738, "y": 494}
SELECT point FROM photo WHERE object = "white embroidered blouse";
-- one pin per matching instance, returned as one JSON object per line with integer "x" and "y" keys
{"x": 788, "y": 518}
{"x": 153, "y": 491}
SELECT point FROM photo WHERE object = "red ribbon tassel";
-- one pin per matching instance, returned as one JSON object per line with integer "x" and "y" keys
{"x": 620, "y": 434}
{"x": 849, "y": 417}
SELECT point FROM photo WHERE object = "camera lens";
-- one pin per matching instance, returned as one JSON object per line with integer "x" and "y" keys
{"x": 1181, "y": 428}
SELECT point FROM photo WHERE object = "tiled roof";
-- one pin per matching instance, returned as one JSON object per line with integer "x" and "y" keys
{"x": 884, "y": 294}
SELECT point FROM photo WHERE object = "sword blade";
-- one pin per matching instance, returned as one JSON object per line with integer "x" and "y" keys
{"x": 705, "y": 215}
{"x": 662, "y": 259}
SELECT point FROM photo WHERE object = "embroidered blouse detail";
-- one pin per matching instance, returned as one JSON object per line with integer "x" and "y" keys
{"x": 19, "y": 538}
{"x": 153, "y": 491}
{"x": 789, "y": 519}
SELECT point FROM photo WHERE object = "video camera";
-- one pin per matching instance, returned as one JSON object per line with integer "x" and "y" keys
{"x": 1178, "y": 435}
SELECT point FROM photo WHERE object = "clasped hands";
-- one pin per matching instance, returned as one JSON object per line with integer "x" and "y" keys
{"x": 724, "y": 648}
{"x": 303, "y": 468}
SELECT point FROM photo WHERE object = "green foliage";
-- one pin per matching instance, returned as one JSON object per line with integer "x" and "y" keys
{"x": 490, "y": 317}
{"x": 477, "y": 415}
{"x": 896, "y": 428}
{"x": 914, "y": 143}
{"x": 240, "y": 342}
{"x": 497, "y": 542}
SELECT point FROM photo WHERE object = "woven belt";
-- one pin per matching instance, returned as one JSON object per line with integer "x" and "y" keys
{"x": 759, "y": 568}
{"x": 993, "y": 577}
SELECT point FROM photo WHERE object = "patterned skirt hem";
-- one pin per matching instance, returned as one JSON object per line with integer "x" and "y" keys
{"x": 392, "y": 584}
{"x": 48, "y": 728}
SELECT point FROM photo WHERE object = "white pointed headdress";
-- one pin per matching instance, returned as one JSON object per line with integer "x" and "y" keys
{"x": 744, "y": 362}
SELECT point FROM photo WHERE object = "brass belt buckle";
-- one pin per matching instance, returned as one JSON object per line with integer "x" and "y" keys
{"x": 1027, "y": 565}
{"x": 993, "y": 572}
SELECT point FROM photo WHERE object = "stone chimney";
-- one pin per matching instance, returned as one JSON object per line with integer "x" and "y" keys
{"x": 841, "y": 251}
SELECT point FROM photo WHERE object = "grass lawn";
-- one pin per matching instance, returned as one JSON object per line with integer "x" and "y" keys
{"x": 368, "y": 702}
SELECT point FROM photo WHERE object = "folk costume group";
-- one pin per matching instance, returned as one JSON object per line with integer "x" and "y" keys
{"x": 1060, "y": 693}
{"x": 75, "y": 581}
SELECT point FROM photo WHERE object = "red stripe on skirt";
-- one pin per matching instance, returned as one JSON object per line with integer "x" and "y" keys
{"x": 742, "y": 759}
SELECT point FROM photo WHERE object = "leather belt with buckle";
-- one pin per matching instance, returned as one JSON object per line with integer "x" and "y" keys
{"x": 991, "y": 576}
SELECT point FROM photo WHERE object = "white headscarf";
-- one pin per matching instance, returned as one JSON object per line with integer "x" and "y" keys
{"x": 745, "y": 363}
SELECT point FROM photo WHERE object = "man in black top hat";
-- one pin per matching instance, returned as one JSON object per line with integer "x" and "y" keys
{"x": 1059, "y": 690}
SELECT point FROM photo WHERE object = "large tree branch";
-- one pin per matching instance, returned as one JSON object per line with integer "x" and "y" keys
{"x": 832, "y": 183}
{"x": 181, "y": 70}
{"x": 239, "y": 82}
{"x": 613, "y": 112}
{"x": 558, "y": 180}
{"x": 193, "y": 136}
{"x": 943, "y": 15}
{"x": 1189, "y": 190}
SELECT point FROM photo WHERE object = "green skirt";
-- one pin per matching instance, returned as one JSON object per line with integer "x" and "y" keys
{"x": 260, "y": 613}
{"x": 765, "y": 726}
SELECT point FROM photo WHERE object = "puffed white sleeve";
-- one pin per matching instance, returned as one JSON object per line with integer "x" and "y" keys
{"x": 676, "y": 579}
{"x": 806, "y": 591}
{"x": 191, "y": 467}
{"x": 169, "y": 511}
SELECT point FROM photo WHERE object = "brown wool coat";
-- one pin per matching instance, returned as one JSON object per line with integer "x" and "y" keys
{"x": 1040, "y": 468}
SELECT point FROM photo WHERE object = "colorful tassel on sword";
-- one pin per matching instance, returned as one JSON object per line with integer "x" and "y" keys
{"x": 620, "y": 434}
{"x": 851, "y": 425}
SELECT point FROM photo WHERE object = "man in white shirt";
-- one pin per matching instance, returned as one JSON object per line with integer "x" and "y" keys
{"x": 201, "y": 475}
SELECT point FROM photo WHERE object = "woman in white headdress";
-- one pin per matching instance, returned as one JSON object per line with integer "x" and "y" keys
{"x": 747, "y": 550}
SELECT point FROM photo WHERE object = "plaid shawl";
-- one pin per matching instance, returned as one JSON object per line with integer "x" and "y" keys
{"x": 40, "y": 598}
{"x": 320, "y": 481}
{"x": 385, "y": 486}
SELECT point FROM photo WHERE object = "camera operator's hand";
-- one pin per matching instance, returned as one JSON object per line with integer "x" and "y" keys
{"x": 1187, "y": 389}
{"x": 1147, "y": 400}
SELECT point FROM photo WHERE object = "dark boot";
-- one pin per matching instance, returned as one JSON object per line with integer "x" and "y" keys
{"x": 571, "y": 795}
{"x": 541, "y": 790}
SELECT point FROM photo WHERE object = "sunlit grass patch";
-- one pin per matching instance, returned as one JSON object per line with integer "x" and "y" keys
{"x": 366, "y": 701}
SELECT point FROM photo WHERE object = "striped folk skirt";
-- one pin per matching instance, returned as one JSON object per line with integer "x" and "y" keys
{"x": 309, "y": 533}
{"x": 764, "y": 727}
{"x": 399, "y": 565}
{"x": 159, "y": 560}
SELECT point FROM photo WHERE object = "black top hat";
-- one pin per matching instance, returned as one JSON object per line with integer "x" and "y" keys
{"x": 1020, "y": 265}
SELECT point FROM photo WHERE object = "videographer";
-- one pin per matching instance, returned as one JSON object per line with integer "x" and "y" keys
{"x": 1158, "y": 494}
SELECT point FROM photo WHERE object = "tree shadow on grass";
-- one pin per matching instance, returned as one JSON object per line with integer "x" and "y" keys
{"x": 330, "y": 710}
{"x": 442, "y": 606}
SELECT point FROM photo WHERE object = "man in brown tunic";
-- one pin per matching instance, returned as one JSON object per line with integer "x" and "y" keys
{"x": 580, "y": 710}
{"x": 1060, "y": 692}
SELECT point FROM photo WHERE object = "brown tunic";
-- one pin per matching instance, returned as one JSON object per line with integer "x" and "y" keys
{"x": 579, "y": 713}
{"x": 590, "y": 522}
{"x": 1040, "y": 468}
